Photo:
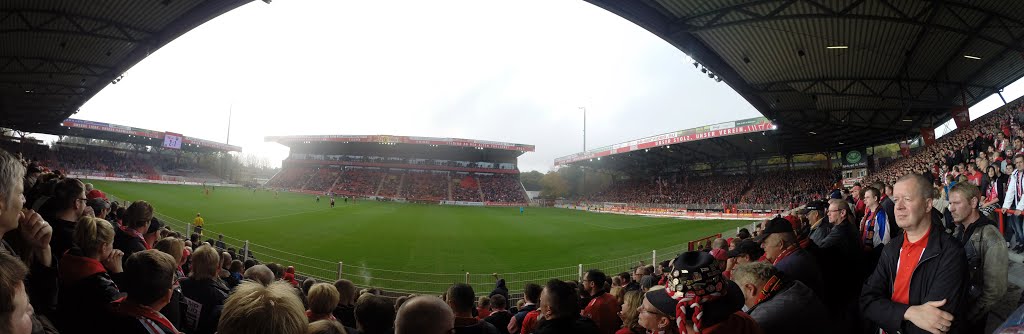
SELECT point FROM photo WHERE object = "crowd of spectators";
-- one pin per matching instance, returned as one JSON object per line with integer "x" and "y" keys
{"x": 291, "y": 177}
{"x": 466, "y": 188}
{"x": 390, "y": 184}
{"x": 781, "y": 189}
{"x": 425, "y": 186}
{"x": 502, "y": 188}
{"x": 91, "y": 160}
{"x": 359, "y": 181}
{"x": 323, "y": 179}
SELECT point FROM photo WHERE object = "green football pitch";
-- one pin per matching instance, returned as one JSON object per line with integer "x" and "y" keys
{"x": 417, "y": 247}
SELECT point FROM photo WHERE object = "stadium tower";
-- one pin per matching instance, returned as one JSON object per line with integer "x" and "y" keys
{"x": 404, "y": 168}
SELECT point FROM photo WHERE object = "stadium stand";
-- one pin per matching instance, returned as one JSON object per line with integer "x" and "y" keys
{"x": 426, "y": 186}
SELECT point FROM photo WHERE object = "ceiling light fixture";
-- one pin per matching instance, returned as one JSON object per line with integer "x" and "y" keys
{"x": 907, "y": 120}
{"x": 972, "y": 57}
{"x": 813, "y": 133}
{"x": 833, "y": 47}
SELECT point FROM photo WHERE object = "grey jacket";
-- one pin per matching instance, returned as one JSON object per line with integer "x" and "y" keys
{"x": 793, "y": 310}
{"x": 818, "y": 233}
{"x": 987, "y": 259}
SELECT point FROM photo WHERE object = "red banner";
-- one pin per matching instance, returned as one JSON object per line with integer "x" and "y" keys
{"x": 905, "y": 150}
{"x": 928, "y": 134}
{"x": 962, "y": 117}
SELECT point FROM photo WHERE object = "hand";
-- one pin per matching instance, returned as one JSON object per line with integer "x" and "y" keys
{"x": 113, "y": 262}
{"x": 36, "y": 231}
{"x": 929, "y": 317}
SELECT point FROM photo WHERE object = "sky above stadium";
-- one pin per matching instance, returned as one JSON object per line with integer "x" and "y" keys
{"x": 510, "y": 71}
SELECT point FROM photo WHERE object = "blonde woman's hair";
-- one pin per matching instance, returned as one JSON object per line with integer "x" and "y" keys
{"x": 205, "y": 263}
{"x": 630, "y": 315}
{"x": 91, "y": 234}
{"x": 256, "y": 309}
{"x": 323, "y": 298}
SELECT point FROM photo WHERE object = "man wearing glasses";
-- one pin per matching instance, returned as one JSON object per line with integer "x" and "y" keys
{"x": 68, "y": 205}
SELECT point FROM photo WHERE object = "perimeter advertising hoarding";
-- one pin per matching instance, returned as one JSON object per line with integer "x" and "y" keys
{"x": 682, "y": 136}
{"x": 386, "y": 139}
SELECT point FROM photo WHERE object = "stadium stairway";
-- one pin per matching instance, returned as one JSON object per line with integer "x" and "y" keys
{"x": 479, "y": 189}
{"x": 450, "y": 186}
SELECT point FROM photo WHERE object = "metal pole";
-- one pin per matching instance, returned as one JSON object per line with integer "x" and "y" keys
{"x": 579, "y": 272}
{"x": 467, "y": 277}
{"x": 583, "y": 186}
{"x": 654, "y": 257}
{"x": 340, "y": 265}
{"x": 245, "y": 251}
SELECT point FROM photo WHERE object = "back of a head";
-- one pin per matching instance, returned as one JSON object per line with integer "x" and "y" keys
{"x": 461, "y": 297}
{"x": 148, "y": 276}
{"x": 322, "y": 298}
{"x": 562, "y": 298}
{"x": 325, "y": 327}
{"x": 424, "y": 315}
{"x": 257, "y": 309}
{"x": 91, "y": 234}
{"x": 532, "y": 292}
{"x": 66, "y": 192}
{"x": 12, "y": 274}
{"x": 139, "y": 214}
{"x": 276, "y": 269}
{"x": 347, "y": 291}
{"x": 374, "y": 314}
{"x": 172, "y": 246}
{"x": 498, "y": 302}
{"x": 260, "y": 274}
{"x": 205, "y": 263}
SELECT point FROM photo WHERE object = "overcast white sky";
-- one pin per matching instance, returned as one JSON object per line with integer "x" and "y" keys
{"x": 512, "y": 71}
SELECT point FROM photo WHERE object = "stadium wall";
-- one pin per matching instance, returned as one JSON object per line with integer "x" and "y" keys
{"x": 664, "y": 213}
{"x": 122, "y": 179}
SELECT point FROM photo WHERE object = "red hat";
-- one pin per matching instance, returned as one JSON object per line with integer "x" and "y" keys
{"x": 95, "y": 193}
{"x": 793, "y": 221}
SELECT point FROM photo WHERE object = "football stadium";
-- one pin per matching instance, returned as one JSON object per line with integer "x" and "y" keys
{"x": 834, "y": 211}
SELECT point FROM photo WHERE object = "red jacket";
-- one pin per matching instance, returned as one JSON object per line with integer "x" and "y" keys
{"x": 604, "y": 311}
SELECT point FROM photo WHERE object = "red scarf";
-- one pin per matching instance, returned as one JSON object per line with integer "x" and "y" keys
{"x": 691, "y": 300}
{"x": 136, "y": 234}
{"x": 769, "y": 289}
{"x": 786, "y": 252}
{"x": 123, "y": 306}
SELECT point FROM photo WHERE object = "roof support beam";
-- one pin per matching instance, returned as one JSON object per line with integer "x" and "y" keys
{"x": 16, "y": 20}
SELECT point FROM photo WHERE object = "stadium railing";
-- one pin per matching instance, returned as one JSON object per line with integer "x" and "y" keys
{"x": 395, "y": 283}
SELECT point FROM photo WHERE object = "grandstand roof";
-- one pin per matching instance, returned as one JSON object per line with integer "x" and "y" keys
{"x": 127, "y": 134}
{"x": 835, "y": 75}
{"x": 712, "y": 143}
{"x": 58, "y": 54}
{"x": 485, "y": 145}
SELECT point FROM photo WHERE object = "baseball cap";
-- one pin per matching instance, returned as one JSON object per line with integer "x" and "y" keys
{"x": 154, "y": 225}
{"x": 95, "y": 193}
{"x": 746, "y": 247}
{"x": 776, "y": 225}
{"x": 814, "y": 206}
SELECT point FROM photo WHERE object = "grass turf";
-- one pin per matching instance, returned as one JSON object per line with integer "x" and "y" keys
{"x": 387, "y": 244}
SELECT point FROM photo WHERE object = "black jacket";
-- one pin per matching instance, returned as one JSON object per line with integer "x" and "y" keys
{"x": 127, "y": 243}
{"x": 346, "y": 315}
{"x": 86, "y": 289}
{"x": 61, "y": 240}
{"x": 203, "y": 300}
{"x": 500, "y": 320}
{"x": 940, "y": 274}
{"x": 566, "y": 325}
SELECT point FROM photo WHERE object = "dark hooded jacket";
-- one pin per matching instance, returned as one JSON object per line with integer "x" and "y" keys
{"x": 86, "y": 289}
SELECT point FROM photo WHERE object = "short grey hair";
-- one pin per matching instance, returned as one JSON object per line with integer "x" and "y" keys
{"x": 756, "y": 273}
{"x": 12, "y": 172}
{"x": 922, "y": 187}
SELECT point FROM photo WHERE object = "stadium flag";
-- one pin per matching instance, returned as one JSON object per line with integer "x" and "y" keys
{"x": 928, "y": 134}
{"x": 962, "y": 117}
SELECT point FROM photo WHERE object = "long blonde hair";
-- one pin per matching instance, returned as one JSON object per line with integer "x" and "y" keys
{"x": 91, "y": 234}
{"x": 630, "y": 315}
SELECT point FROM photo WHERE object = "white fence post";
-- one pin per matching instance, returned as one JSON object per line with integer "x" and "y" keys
{"x": 340, "y": 265}
{"x": 245, "y": 251}
{"x": 467, "y": 277}
{"x": 654, "y": 257}
{"x": 579, "y": 272}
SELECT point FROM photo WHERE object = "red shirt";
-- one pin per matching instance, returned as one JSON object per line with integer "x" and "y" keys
{"x": 910, "y": 255}
{"x": 974, "y": 178}
{"x": 604, "y": 311}
{"x": 530, "y": 322}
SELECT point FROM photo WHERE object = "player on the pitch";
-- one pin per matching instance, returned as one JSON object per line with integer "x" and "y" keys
{"x": 332, "y": 202}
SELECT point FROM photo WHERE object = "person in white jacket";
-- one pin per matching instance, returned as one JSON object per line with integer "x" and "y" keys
{"x": 1015, "y": 201}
